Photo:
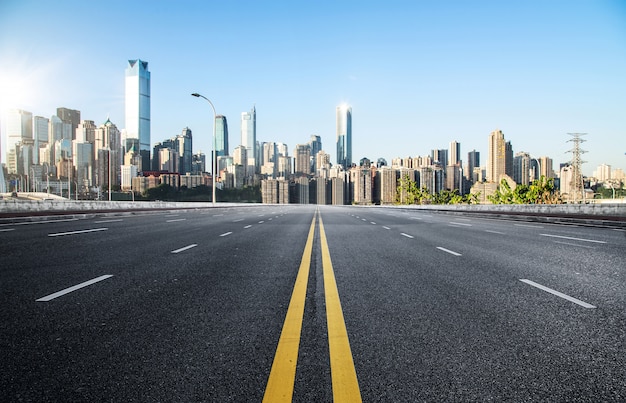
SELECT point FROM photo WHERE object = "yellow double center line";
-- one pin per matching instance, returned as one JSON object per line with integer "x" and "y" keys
{"x": 283, "y": 374}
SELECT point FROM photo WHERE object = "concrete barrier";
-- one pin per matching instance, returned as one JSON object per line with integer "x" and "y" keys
{"x": 580, "y": 213}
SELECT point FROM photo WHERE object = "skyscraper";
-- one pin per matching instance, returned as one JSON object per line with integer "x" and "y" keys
{"x": 473, "y": 161}
{"x": 221, "y": 136}
{"x": 455, "y": 153}
{"x": 137, "y": 104}
{"x": 344, "y": 136}
{"x": 248, "y": 138}
{"x": 70, "y": 116}
{"x": 496, "y": 159}
{"x": 184, "y": 148}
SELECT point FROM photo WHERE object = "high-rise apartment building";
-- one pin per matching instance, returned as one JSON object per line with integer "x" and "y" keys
{"x": 439, "y": 157}
{"x": 344, "y": 136}
{"x": 521, "y": 168}
{"x": 496, "y": 159}
{"x": 455, "y": 153}
{"x": 248, "y": 139}
{"x": 137, "y": 107}
{"x": 302, "y": 156}
{"x": 546, "y": 167}
{"x": 221, "y": 136}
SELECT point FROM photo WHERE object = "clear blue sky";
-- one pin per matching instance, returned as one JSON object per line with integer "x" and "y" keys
{"x": 418, "y": 74}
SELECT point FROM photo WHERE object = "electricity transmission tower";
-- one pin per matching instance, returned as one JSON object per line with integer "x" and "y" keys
{"x": 577, "y": 187}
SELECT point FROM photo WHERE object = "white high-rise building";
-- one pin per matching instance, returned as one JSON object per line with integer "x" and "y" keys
{"x": 248, "y": 139}
{"x": 344, "y": 136}
{"x": 137, "y": 107}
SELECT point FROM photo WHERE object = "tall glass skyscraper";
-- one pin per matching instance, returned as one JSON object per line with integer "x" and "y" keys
{"x": 221, "y": 136}
{"x": 344, "y": 136}
{"x": 138, "y": 107}
{"x": 248, "y": 138}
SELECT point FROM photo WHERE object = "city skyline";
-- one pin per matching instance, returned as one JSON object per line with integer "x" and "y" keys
{"x": 424, "y": 76}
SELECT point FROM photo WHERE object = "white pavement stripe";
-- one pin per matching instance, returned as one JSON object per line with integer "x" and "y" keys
{"x": 226, "y": 233}
{"x": 74, "y": 288}
{"x": 407, "y": 235}
{"x": 176, "y": 220}
{"x": 363, "y": 219}
{"x": 494, "y": 232}
{"x": 449, "y": 251}
{"x": 37, "y": 222}
{"x": 574, "y": 244}
{"x": 238, "y": 220}
{"x": 261, "y": 222}
{"x": 385, "y": 227}
{"x": 572, "y": 238}
{"x": 105, "y": 221}
{"x": 527, "y": 226}
{"x": 78, "y": 232}
{"x": 218, "y": 215}
{"x": 372, "y": 222}
{"x": 460, "y": 223}
{"x": 415, "y": 218}
{"x": 248, "y": 226}
{"x": 193, "y": 245}
{"x": 557, "y": 293}
{"x": 7, "y": 229}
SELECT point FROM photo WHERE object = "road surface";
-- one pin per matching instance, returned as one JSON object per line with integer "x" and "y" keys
{"x": 307, "y": 303}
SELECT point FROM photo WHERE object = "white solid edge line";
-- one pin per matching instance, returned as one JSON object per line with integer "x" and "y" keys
{"x": 572, "y": 238}
{"x": 78, "y": 232}
{"x": 73, "y": 288}
{"x": 7, "y": 229}
{"x": 406, "y": 235}
{"x": 557, "y": 293}
{"x": 226, "y": 233}
{"x": 193, "y": 245}
{"x": 449, "y": 251}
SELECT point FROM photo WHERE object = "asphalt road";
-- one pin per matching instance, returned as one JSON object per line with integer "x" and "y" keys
{"x": 191, "y": 305}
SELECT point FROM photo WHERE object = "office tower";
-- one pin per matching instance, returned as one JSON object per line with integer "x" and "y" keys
{"x": 473, "y": 161}
{"x": 184, "y": 148}
{"x": 137, "y": 107}
{"x": 248, "y": 139}
{"x": 40, "y": 136}
{"x": 344, "y": 136}
{"x": 508, "y": 159}
{"x": 302, "y": 156}
{"x": 221, "y": 136}
{"x": 602, "y": 173}
{"x": 455, "y": 153}
{"x": 546, "y": 167}
{"x": 19, "y": 127}
{"x": 316, "y": 146}
{"x": 496, "y": 159}
{"x": 83, "y": 157}
{"x": 71, "y": 117}
{"x": 521, "y": 168}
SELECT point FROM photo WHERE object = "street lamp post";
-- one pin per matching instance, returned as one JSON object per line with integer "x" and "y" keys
{"x": 214, "y": 160}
